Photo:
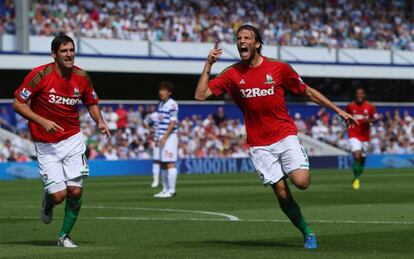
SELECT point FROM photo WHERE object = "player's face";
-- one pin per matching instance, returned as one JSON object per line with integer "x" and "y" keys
{"x": 360, "y": 95}
{"x": 65, "y": 55}
{"x": 164, "y": 94}
{"x": 247, "y": 45}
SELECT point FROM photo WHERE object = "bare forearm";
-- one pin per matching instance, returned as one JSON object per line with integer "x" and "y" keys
{"x": 317, "y": 97}
{"x": 24, "y": 110}
{"x": 95, "y": 113}
{"x": 202, "y": 91}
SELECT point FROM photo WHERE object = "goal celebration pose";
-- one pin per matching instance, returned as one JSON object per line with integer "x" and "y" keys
{"x": 257, "y": 85}
{"x": 48, "y": 98}
{"x": 365, "y": 113}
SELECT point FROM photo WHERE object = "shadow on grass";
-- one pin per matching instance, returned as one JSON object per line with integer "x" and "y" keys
{"x": 246, "y": 243}
{"x": 46, "y": 243}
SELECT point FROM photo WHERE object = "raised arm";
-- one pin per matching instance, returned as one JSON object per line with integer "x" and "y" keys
{"x": 97, "y": 117}
{"x": 203, "y": 92}
{"x": 317, "y": 97}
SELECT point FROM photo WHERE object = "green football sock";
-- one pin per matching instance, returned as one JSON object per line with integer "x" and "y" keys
{"x": 72, "y": 209}
{"x": 292, "y": 211}
{"x": 357, "y": 167}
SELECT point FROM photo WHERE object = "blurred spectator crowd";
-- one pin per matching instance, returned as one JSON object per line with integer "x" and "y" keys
{"x": 216, "y": 135}
{"x": 132, "y": 135}
{"x": 393, "y": 133}
{"x": 378, "y": 24}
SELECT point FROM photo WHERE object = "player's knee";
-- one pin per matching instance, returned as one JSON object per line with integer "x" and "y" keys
{"x": 301, "y": 178}
{"x": 58, "y": 197}
{"x": 281, "y": 192}
{"x": 303, "y": 184}
{"x": 74, "y": 192}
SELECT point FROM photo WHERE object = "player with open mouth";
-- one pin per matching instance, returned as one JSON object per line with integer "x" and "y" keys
{"x": 48, "y": 98}
{"x": 257, "y": 84}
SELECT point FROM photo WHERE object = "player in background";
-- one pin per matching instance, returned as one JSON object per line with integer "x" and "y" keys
{"x": 48, "y": 98}
{"x": 167, "y": 140}
{"x": 151, "y": 122}
{"x": 257, "y": 84}
{"x": 365, "y": 113}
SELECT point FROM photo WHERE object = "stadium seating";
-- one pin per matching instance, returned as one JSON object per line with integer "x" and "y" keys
{"x": 216, "y": 135}
{"x": 345, "y": 24}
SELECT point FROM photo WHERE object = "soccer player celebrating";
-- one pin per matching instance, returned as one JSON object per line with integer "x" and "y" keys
{"x": 257, "y": 84}
{"x": 365, "y": 113}
{"x": 167, "y": 141}
{"x": 151, "y": 120}
{"x": 48, "y": 98}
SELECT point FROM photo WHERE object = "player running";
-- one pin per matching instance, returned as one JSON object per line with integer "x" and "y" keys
{"x": 365, "y": 113}
{"x": 257, "y": 84}
{"x": 48, "y": 98}
{"x": 167, "y": 141}
{"x": 151, "y": 122}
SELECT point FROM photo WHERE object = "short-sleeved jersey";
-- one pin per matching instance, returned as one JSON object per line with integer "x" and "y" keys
{"x": 152, "y": 120}
{"x": 260, "y": 94}
{"x": 361, "y": 112}
{"x": 55, "y": 98}
{"x": 167, "y": 112}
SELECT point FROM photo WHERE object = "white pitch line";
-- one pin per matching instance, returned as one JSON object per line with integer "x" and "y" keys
{"x": 228, "y": 216}
{"x": 225, "y": 220}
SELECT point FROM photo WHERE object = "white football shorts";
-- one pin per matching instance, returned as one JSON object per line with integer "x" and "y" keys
{"x": 274, "y": 162}
{"x": 63, "y": 163}
{"x": 358, "y": 145}
{"x": 168, "y": 153}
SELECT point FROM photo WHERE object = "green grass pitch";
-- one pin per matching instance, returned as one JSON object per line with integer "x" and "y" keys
{"x": 121, "y": 219}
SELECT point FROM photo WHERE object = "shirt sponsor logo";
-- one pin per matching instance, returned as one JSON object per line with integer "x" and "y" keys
{"x": 25, "y": 94}
{"x": 56, "y": 99}
{"x": 257, "y": 92}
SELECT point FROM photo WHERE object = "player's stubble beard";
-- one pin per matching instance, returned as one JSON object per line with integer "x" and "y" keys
{"x": 65, "y": 64}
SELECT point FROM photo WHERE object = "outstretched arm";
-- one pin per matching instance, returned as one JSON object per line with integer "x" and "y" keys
{"x": 97, "y": 117}
{"x": 316, "y": 97}
{"x": 202, "y": 91}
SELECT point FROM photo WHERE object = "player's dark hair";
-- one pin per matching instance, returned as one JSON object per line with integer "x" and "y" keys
{"x": 60, "y": 40}
{"x": 167, "y": 85}
{"x": 256, "y": 33}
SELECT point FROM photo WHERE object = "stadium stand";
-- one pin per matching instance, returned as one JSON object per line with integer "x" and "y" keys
{"x": 336, "y": 23}
{"x": 215, "y": 135}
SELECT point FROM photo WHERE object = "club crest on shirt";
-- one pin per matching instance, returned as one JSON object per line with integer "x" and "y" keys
{"x": 269, "y": 79}
{"x": 76, "y": 92}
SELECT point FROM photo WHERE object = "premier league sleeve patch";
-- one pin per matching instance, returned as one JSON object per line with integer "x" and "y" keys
{"x": 25, "y": 94}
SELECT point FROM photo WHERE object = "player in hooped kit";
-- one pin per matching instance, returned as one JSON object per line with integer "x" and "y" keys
{"x": 48, "y": 98}
{"x": 365, "y": 113}
{"x": 167, "y": 140}
{"x": 257, "y": 85}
